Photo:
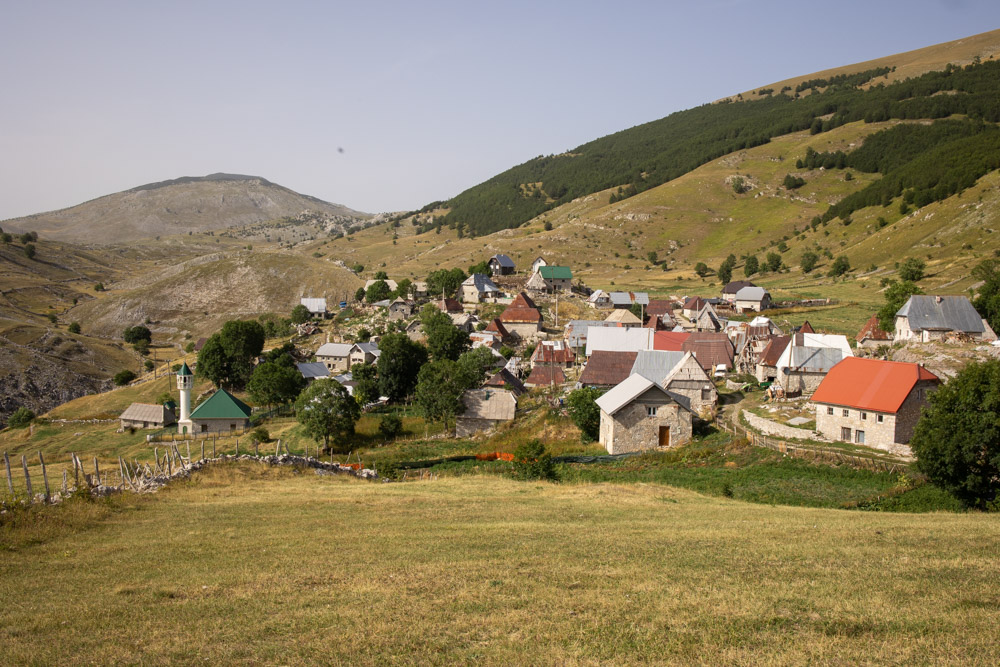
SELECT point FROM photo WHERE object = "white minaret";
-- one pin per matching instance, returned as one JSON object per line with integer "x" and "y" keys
{"x": 185, "y": 381}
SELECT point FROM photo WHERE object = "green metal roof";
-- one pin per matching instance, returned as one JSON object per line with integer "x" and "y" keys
{"x": 222, "y": 405}
{"x": 185, "y": 370}
{"x": 555, "y": 272}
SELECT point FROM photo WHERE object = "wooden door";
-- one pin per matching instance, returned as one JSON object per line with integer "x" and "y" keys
{"x": 664, "y": 440}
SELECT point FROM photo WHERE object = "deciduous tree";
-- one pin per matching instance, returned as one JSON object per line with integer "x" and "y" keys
{"x": 328, "y": 413}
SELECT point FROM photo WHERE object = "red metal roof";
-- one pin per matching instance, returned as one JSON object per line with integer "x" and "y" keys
{"x": 497, "y": 326}
{"x": 521, "y": 309}
{"x": 806, "y": 328}
{"x": 671, "y": 341}
{"x": 772, "y": 352}
{"x": 658, "y": 307}
{"x": 543, "y": 376}
{"x": 710, "y": 349}
{"x": 448, "y": 305}
{"x": 870, "y": 384}
{"x": 551, "y": 353}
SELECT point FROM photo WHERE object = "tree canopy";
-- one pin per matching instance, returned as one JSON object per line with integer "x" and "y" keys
{"x": 444, "y": 339}
{"x": 582, "y": 409}
{"x": 398, "y": 365}
{"x": 328, "y": 412}
{"x": 439, "y": 390}
{"x": 957, "y": 440}
{"x": 896, "y": 294}
{"x": 227, "y": 358}
{"x": 274, "y": 384}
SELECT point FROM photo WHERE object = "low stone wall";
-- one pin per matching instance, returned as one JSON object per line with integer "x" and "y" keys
{"x": 768, "y": 427}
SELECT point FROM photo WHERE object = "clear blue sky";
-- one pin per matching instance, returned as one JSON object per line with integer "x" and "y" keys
{"x": 425, "y": 98}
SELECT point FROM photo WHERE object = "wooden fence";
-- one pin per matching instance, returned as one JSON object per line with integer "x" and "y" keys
{"x": 812, "y": 452}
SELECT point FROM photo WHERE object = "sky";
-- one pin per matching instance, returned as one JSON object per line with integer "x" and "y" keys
{"x": 387, "y": 106}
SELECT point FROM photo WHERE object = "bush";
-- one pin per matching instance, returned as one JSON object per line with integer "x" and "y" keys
{"x": 582, "y": 409}
{"x": 390, "y": 426}
{"x": 148, "y": 365}
{"x": 29, "y": 251}
{"x": 122, "y": 378}
{"x": 531, "y": 461}
{"x": 74, "y": 327}
{"x": 21, "y": 418}
{"x": 260, "y": 434}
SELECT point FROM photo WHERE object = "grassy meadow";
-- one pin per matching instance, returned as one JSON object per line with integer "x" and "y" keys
{"x": 246, "y": 564}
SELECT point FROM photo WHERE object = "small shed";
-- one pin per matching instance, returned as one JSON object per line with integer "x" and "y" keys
{"x": 639, "y": 414}
{"x": 147, "y": 415}
{"x": 484, "y": 409}
{"x": 316, "y": 307}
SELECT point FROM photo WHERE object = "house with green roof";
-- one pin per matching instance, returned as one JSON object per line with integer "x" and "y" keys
{"x": 550, "y": 279}
{"x": 219, "y": 413}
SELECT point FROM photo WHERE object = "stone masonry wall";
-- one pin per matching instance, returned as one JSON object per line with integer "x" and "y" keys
{"x": 768, "y": 427}
{"x": 878, "y": 436}
{"x": 632, "y": 430}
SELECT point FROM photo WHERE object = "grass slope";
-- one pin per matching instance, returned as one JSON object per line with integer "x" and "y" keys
{"x": 243, "y": 564}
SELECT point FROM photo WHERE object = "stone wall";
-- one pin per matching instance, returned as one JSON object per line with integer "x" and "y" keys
{"x": 877, "y": 436}
{"x": 523, "y": 330}
{"x": 468, "y": 426}
{"x": 632, "y": 430}
{"x": 768, "y": 427}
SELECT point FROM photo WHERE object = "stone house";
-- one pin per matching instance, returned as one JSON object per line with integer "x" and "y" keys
{"x": 336, "y": 356}
{"x": 599, "y": 299}
{"x": 807, "y": 359}
{"x": 639, "y": 414}
{"x": 662, "y": 310}
{"x": 415, "y": 331}
{"x": 484, "y": 409}
{"x": 731, "y": 288}
{"x": 146, "y": 415}
{"x": 925, "y": 318}
{"x": 522, "y": 318}
{"x": 553, "y": 353}
{"x": 401, "y": 309}
{"x": 497, "y": 327}
{"x": 448, "y": 305}
{"x": 708, "y": 320}
{"x": 871, "y": 335}
{"x": 364, "y": 353}
{"x": 504, "y": 379}
{"x": 545, "y": 376}
{"x": 753, "y": 299}
{"x": 680, "y": 373}
{"x": 692, "y": 306}
{"x": 872, "y": 402}
{"x": 478, "y": 288}
{"x": 766, "y": 369}
{"x": 550, "y": 279}
{"x": 219, "y": 413}
{"x": 501, "y": 265}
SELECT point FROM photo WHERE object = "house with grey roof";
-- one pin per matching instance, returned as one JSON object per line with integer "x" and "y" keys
{"x": 478, "y": 288}
{"x": 484, "y": 410}
{"x": 501, "y": 265}
{"x": 312, "y": 370}
{"x": 628, "y": 299}
{"x": 316, "y": 307}
{"x": 639, "y": 414}
{"x": 680, "y": 373}
{"x": 364, "y": 353}
{"x": 146, "y": 415}
{"x": 752, "y": 298}
{"x": 925, "y": 318}
{"x": 335, "y": 356}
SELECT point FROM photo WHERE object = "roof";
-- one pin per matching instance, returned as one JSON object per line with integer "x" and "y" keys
{"x": 629, "y": 298}
{"x": 694, "y": 303}
{"x": 814, "y": 359}
{"x": 736, "y": 285}
{"x": 504, "y": 378}
{"x": 148, "y": 412}
{"x": 314, "y": 305}
{"x": 367, "y": 347}
{"x": 555, "y": 272}
{"x": 598, "y": 295}
{"x": 806, "y": 328}
{"x": 334, "y": 350}
{"x": 871, "y": 384}
{"x": 185, "y": 370}
{"x": 553, "y": 351}
{"x": 503, "y": 260}
{"x": 772, "y": 352}
{"x": 870, "y": 331}
{"x": 481, "y": 282}
{"x": 496, "y": 404}
{"x": 656, "y": 364}
{"x": 629, "y": 390}
{"x": 623, "y": 316}
{"x": 710, "y": 349}
{"x": 448, "y": 305}
{"x": 659, "y": 307}
{"x": 497, "y": 326}
{"x": 670, "y": 340}
{"x": 543, "y": 376}
{"x": 521, "y": 309}
{"x": 943, "y": 313}
{"x": 752, "y": 293}
{"x": 607, "y": 368}
{"x": 576, "y": 331}
{"x": 620, "y": 339}
{"x": 222, "y": 405}
{"x": 313, "y": 369}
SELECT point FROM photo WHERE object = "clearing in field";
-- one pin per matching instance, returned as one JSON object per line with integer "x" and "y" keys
{"x": 245, "y": 563}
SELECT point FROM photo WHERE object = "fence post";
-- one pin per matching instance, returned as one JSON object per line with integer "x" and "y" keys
{"x": 237, "y": 446}
{"x": 277, "y": 447}
{"x": 97, "y": 471}
{"x": 189, "y": 450}
{"x": 202, "y": 450}
{"x": 10, "y": 480}
{"x": 27, "y": 479}
{"x": 65, "y": 486}
{"x": 45, "y": 477}
{"x": 213, "y": 448}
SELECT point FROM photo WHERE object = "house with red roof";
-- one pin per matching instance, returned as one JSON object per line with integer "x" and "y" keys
{"x": 871, "y": 335}
{"x": 522, "y": 318}
{"x": 872, "y": 402}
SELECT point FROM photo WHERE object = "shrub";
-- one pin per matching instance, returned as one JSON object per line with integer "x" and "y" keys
{"x": 74, "y": 327}
{"x": 260, "y": 434}
{"x": 122, "y": 378}
{"x": 390, "y": 426}
{"x": 531, "y": 461}
{"x": 148, "y": 365}
{"x": 20, "y": 418}
{"x": 29, "y": 251}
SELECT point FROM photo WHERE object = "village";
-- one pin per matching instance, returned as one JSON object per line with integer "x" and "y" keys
{"x": 655, "y": 370}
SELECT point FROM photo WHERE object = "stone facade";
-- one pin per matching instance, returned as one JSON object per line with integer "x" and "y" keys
{"x": 768, "y": 427}
{"x": 217, "y": 425}
{"x": 523, "y": 330}
{"x": 633, "y": 429}
{"x": 690, "y": 380}
{"x": 803, "y": 381}
{"x": 882, "y": 430}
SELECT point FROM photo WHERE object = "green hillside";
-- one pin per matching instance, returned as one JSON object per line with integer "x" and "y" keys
{"x": 649, "y": 155}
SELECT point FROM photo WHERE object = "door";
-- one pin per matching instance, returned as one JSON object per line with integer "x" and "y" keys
{"x": 664, "y": 440}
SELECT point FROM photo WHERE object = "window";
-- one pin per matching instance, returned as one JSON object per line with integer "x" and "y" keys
{"x": 859, "y": 437}
{"x": 845, "y": 433}
{"x": 879, "y": 418}
{"x": 847, "y": 413}
{"x": 650, "y": 410}
{"x": 864, "y": 416}
{"x": 204, "y": 428}
{"x": 829, "y": 411}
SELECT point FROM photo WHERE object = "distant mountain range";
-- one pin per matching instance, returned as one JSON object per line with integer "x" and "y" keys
{"x": 186, "y": 204}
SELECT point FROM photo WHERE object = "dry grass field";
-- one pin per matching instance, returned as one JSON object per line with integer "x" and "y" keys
{"x": 245, "y": 564}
